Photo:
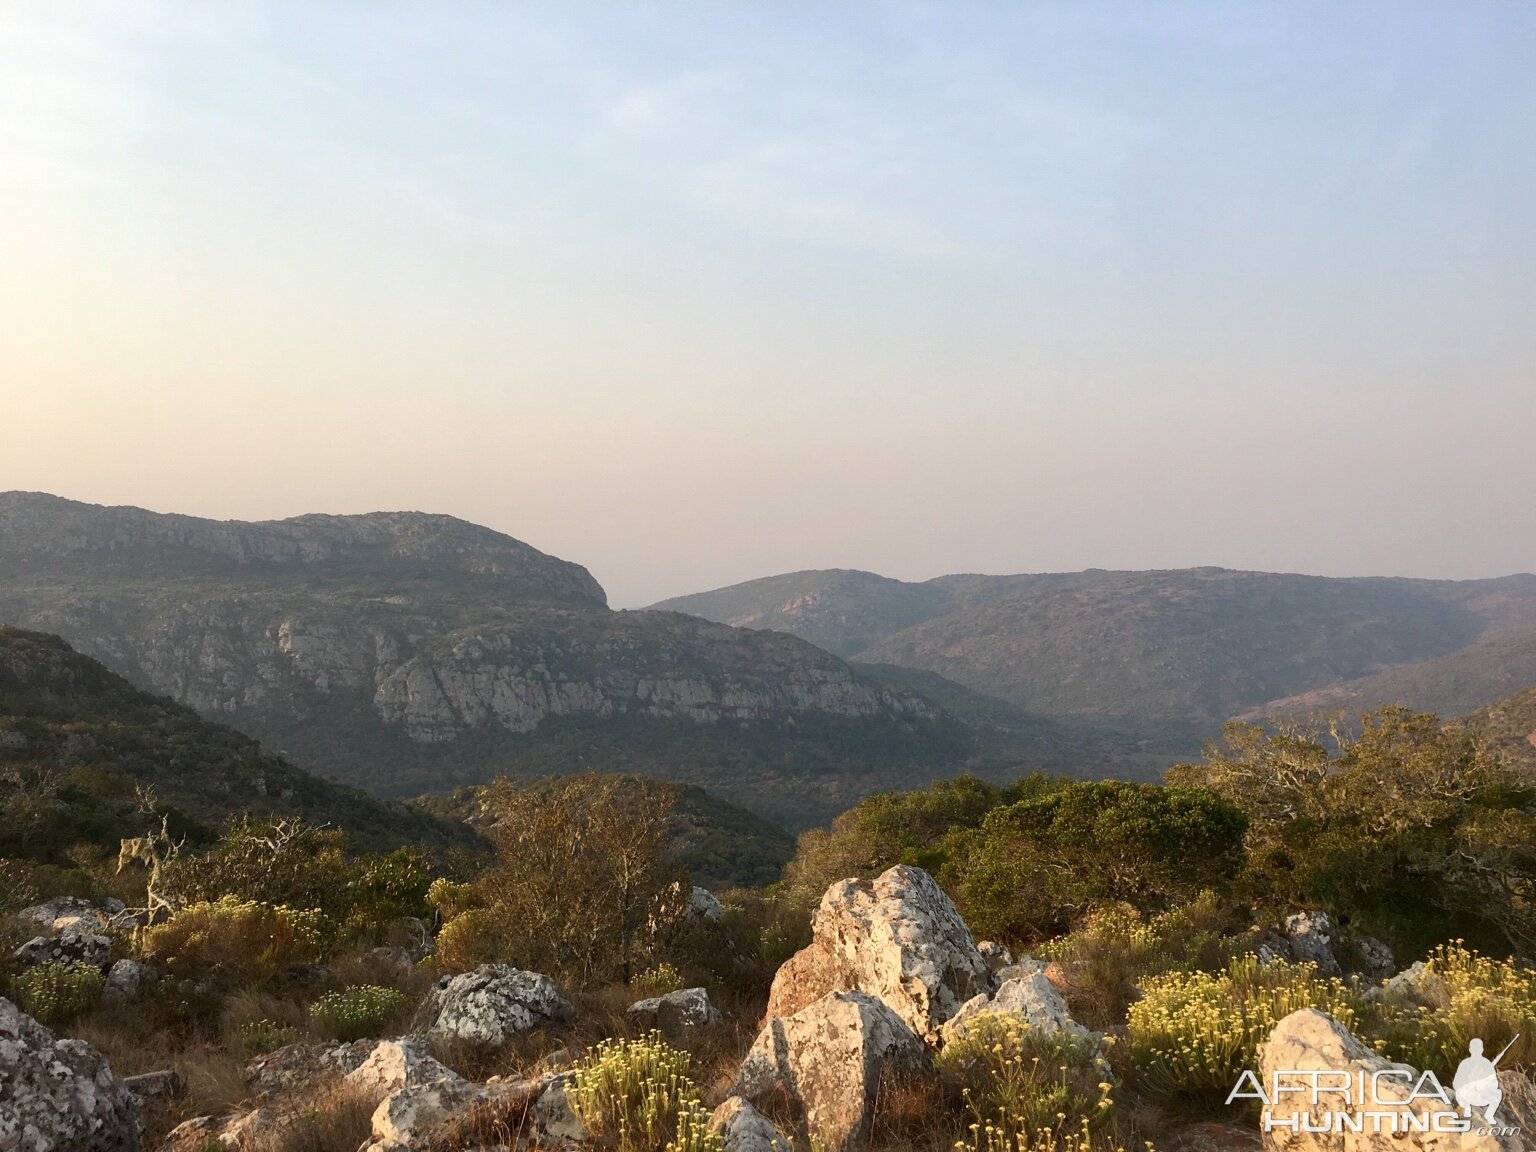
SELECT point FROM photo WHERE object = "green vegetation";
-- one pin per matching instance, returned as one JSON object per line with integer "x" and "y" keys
{"x": 358, "y": 1011}
{"x": 639, "y": 1096}
{"x": 248, "y": 941}
{"x": 1411, "y": 830}
{"x": 1011, "y": 1076}
{"x": 55, "y": 993}
{"x": 1194, "y": 1032}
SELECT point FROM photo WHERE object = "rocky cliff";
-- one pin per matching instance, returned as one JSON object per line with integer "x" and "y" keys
{"x": 403, "y": 652}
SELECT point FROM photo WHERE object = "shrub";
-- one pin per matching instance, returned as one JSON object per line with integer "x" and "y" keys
{"x": 656, "y": 981}
{"x": 249, "y": 940}
{"x": 467, "y": 941}
{"x": 1105, "y": 959}
{"x": 258, "y": 1037}
{"x": 451, "y": 897}
{"x": 54, "y": 993}
{"x": 1461, "y": 996}
{"x": 1035, "y": 866}
{"x": 1193, "y": 1032}
{"x": 355, "y": 1012}
{"x": 1019, "y": 1080}
{"x": 638, "y": 1096}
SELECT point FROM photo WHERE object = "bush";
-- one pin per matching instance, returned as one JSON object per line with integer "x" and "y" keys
{"x": 1035, "y": 866}
{"x": 1195, "y": 1032}
{"x": 1016, "y": 1079}
{"x": 1461, "y": 996}
{"x": 638, "y": 1096}
{"x": 1105, "y": 959}
{"x": 355, "y": 1012}
{"x": 54, "y": 993}
{"x": 467, "y": 941}
{"x": 258, "y": 1037}
{"x": 656, "y": 981}
{"x": 451, "y": 897}
{"x": 250, "y": 941}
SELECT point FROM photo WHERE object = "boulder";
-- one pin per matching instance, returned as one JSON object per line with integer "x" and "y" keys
{"x": 1374, "y": 958}
{"x": 742, "y": 1128}
{"x": 1309, "y": 1040}
{"x": 487, "y": 1007}
{"x": 831, "y": 1057}
{"x": 62, "y": 911}
{"x": 280, "y": 1071}
{"x": 156, "y": 1087}
{"x": 702, "y": 905}
{"x": 60, "y": 1095}
{"x": 74, "y": 945}
{"x": 897, "y": 937}
{"x": 553, "y": 1121}
{"x": 191, "y": 1135}
{"x": 396, "y": 1064}
{"x": 677, "y": 1014}
{"x": 248, "y": 1127}
{"x": 1032, "y": 998}
{"x": 124, "y": 981}
{"x": 1310, "y": 936}
{"x": 996, "y": 955}
{"x": 417, "y": 1116}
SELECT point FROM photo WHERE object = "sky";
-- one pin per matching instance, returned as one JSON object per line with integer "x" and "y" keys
{"x": 692, "y": 293}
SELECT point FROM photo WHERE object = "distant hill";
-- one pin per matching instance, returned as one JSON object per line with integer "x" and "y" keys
{"x": 1188, "y": 647}
{"x": 1509, "y": 726}
{"x": 405, "y": 652}
{"x": 77, "y": 740}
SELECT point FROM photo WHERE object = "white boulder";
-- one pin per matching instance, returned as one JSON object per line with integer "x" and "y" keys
{"x": 1031, "y": 998}
{"x": 677, "y": 1014}
{"x": 487, "y": 1007}
{"x": 742, "y": 1128}
{"x": 397, "y": 1064}
{"x": 59, "y": 1095}
{"x": 831, "y": 1057}
{"x": 897, "y": 937}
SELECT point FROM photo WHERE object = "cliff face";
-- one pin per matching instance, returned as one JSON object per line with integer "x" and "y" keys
{"x": 381, "y": 648}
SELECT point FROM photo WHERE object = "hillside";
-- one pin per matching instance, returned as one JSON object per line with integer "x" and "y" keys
{"x": 76, "y": 741}
{"x": 1182, "y": 647}
{"x": 404, "y": 653}
{"x": 1508, "y": 726}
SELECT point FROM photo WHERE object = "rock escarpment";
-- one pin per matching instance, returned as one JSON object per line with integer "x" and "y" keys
{"x": 382, "y": 647}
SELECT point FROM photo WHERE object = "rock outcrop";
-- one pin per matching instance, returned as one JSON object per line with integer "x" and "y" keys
{"x": 1030, "y": 997}
{"x": 676, "y": 1015}
{"x": 742, "y": 1128}
{"x": 1309, "y": 1040}
{"x": 74, "y": 945}
{"x": 831, "y": 1058}
{"x": 487, "y": 1007}
{"x": 897, "y": 937}
{"x": 60, "y": 1095}
{"x": 397, "y": 1064}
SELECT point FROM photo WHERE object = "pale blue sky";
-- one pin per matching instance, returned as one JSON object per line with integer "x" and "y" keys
{"x": 697, "y": 292}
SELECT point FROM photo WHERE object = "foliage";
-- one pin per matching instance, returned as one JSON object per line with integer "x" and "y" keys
{"x": 258, "y": 1037}
{"x": 1193, "y": 1032}
{"x": 657, "y": 980}
{"x": 1461, "y": 996}
{"x": 249, "y": 941}
{"x": 584, "y": 876}
{"x": 1404, "y": 825}
{"x": 55, "y": 993}
{"x": 1013, "y": 1077}
{"x": 1036, "y": 865}
{"x": 451, "y": 897}
{"x": 355, "y": 1012}
{"x": 1108, "y": 955}
{"x": 885, "y": 829}
{"x": 292, "y": 863}
{"x": 639, "y": 1096}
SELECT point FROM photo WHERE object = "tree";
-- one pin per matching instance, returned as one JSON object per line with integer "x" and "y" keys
{"x": 585, "y": 875}
{"x": 1037, "y": 865}
{"x": 1411, "y": 827}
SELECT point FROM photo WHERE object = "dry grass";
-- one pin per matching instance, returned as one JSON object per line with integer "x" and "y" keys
{"x": 336, "y": 1119}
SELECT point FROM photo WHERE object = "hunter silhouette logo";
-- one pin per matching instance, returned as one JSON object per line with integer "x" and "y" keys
{"x": 1476, "y": 1082}
{"x": 1389, "y": 1099}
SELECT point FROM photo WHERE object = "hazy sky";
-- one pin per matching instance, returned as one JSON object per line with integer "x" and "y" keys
{"x": 696, "y": 292}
